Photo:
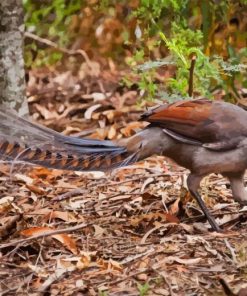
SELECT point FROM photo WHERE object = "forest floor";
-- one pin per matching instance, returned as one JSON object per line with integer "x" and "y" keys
{"x": 134, "y": 231}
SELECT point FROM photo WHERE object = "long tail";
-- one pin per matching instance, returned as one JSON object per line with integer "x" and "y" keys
{"x": 21, "y": 140}
{"x": 90, "y": 161}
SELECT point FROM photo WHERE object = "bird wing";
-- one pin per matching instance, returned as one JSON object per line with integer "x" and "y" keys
{"x": 189, "y": 112}
{"x": 212, "y": 124}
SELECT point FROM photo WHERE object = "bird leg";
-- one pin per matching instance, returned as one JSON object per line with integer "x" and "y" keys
{"x": 193, "y": 183}
{"x": 237, "y": 184}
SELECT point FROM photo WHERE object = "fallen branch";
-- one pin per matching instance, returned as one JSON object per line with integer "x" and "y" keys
{"x": 62, "y": 49}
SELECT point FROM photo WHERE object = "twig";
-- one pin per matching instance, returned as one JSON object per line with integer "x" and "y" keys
{"x": 232, "y": 251}
{"x": 144, "y": 270}
{"x": 62, "y": 49}
{"x": 165, "y": 277}
{"x": 68, "y": 194}
{"x": 134, "y": 179}
{"x": 77, "y": 191}
{"x": 226, "y": 288}
{"x": 143, "y": 240}
{"x": 191, "y": 77}
{"x": 52, "y": 232}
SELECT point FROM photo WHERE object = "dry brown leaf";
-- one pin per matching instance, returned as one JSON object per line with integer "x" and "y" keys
{"x": 112, "y": 133}
{"x": 90, "y": 110}
{"x": 65, "y": 78}
{"x": 164, "y": 217}
{"x": 131, "y": 128}
{"x": 174, "y": 208}
{"x": 84, "y": 261}
{"x": 27, "y": 180}
{"x": 142, "y": 277}
{"x": 44, "y": 173}
{"x": 112, "y": 114}
{"x": 67, "y": 241}
{"x": 47, "y": 114}
{"x": 98, "y": 231}
{"x": 6, "y": 199}
{"x": 110, "y": 265}
{"x": 97, "y": 96}
{"x": 172, "y": 259}
{"x": 146, "y": 183}
{"x": 101, "y": 133}
{"x": 65, "y": 216}
{"x": 35, "y": 189}
{"x": 36, "y": 231}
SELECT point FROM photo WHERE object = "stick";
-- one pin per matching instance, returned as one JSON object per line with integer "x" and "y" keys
{"x": 62, "y": 49}
{"x": 192, "y": 67}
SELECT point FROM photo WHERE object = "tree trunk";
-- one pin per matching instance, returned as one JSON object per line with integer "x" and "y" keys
{"x": 12, "y": 74}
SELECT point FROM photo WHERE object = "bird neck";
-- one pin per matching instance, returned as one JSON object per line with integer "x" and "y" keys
{"x": 148, "y": 142}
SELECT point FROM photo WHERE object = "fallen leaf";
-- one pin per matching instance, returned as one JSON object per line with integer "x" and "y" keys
{"x": 98, "y": 96}
{"x": 67, "y": 241}
{"x": 24, "y": 178}
{"x": 112, "y": 132}
{"x": 65, "y": 216}
{"x": 35, "y": 189}
{"x": 98, "y": 231}
{"x": 171, "y": 259}
{"x": 146, "y": 183}
{"x": 90, "y": 110}
{"x": 84, "y": 260}
{"x": 6, "y": 199}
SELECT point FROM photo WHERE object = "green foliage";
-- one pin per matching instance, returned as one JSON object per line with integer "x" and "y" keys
{"x": 50, "y": 19}
{"x": 211, "y": 72}
{"x": 103, "y": 293}
{"x": 146, "y": 74}
{"x": 183, "y": 43}
{"x": 150, "y": 9}
{"x": 157, "y": 33}
{"x": 143, "y": 289}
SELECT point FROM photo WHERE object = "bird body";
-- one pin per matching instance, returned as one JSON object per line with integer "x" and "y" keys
{"x": 213, "y": 124}
{"x": 201, "y": 135}
{"x": 197, "y": 159}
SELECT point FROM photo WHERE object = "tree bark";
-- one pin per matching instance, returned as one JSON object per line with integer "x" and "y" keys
{"x": 12, "y": 74}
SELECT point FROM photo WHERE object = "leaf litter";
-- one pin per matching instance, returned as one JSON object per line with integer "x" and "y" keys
{"x": 120, "y": 233}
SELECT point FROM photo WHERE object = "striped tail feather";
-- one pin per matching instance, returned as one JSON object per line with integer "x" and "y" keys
{"x": 22, "y": 140}
{"x": 98, "y": 160}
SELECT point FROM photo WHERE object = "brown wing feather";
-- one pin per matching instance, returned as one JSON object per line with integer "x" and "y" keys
{"x": 183, "y": 117}
{"x": 185, "y": 112}
{"x": 216, "y": 125}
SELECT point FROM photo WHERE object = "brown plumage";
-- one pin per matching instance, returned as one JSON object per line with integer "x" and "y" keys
{"x": 215, "y": 125}
{"x": 201, "y": 135}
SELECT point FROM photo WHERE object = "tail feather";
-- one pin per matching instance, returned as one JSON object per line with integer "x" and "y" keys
{"x": 22, "y": 140}
{"x": 102, "y": 161}
{"x": 16, "y": 129}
